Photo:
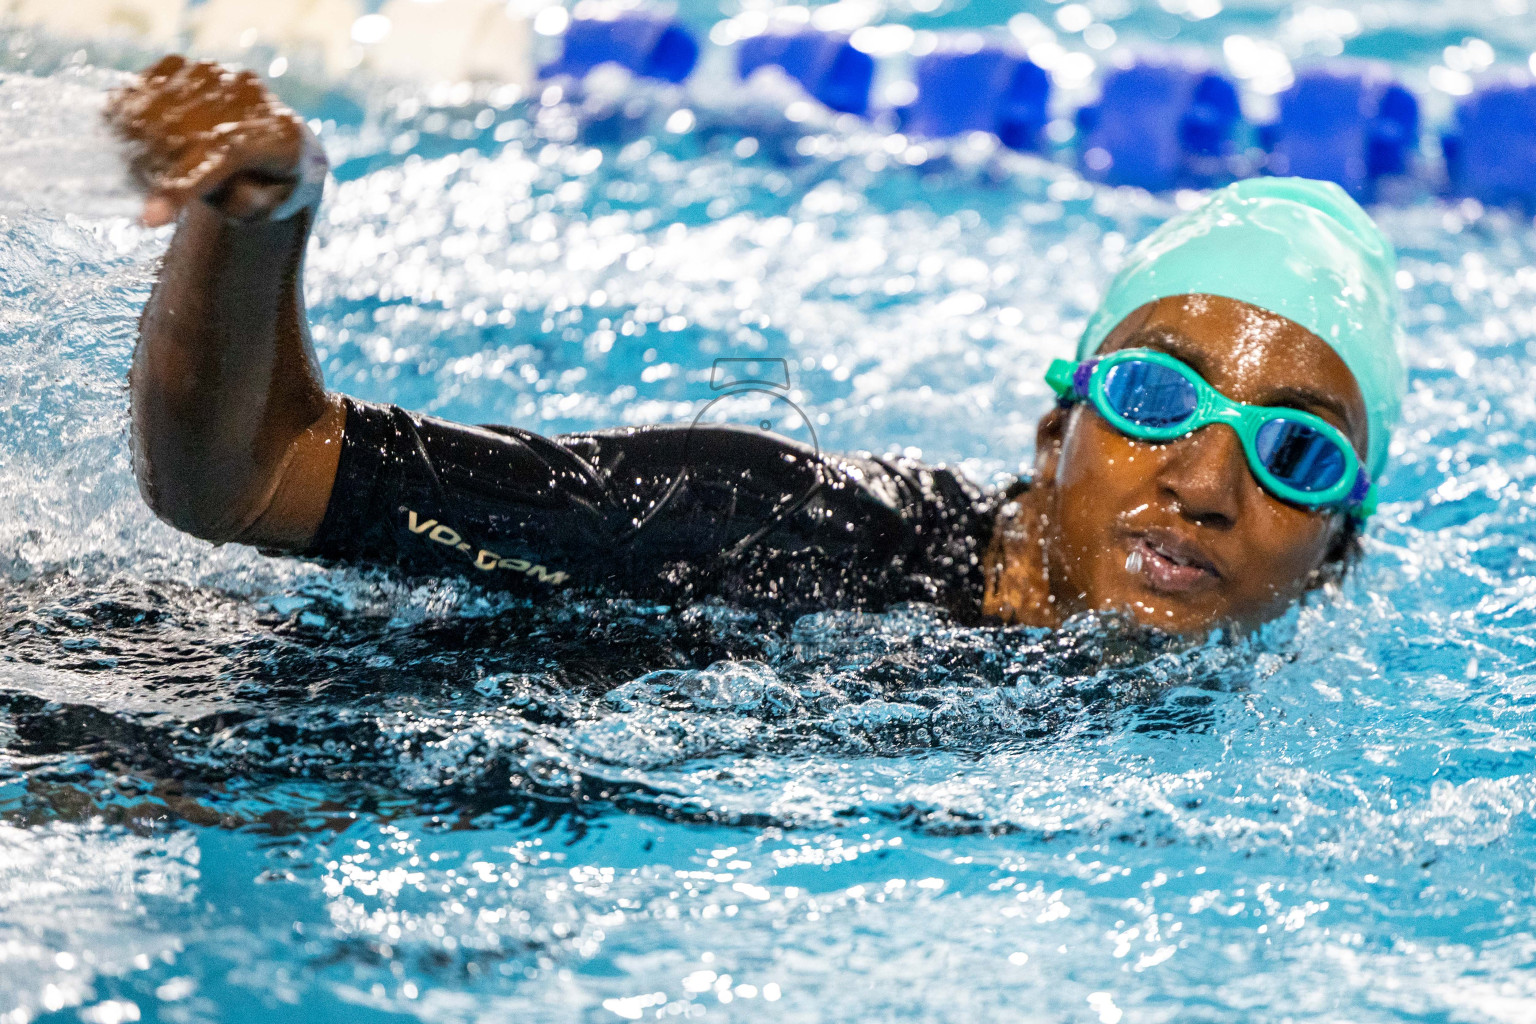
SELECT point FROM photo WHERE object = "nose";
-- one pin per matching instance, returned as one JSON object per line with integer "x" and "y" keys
{"x": 1204, "y": 474}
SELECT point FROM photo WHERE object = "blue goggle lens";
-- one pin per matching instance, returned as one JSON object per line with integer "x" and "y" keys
{"x": 1150, "y": 394}
{"x": 1158, "y": 397}
{"x": 1298, "y": 455}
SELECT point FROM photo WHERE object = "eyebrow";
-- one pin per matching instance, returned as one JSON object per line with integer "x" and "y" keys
{"x": 1294, "y": 397}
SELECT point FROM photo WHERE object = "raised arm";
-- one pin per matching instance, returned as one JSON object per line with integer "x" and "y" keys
{"x": 234, "y": 434}
{"x": 236, "y": 438}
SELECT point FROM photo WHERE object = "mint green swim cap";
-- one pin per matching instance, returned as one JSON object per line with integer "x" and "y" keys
{"x": 1300, "y": 248}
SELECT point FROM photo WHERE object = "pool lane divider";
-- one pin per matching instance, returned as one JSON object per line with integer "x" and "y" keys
{"x": 646, "y": 44}
{"x": 1353, "y": 124}
{"x": 1490, "y": 149}
{"x": 962, "y": 88}
{"x": 1161, "y": 122}
{"x": 826, "y": 64}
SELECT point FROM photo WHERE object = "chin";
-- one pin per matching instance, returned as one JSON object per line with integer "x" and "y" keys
{"x": 1170, "y": 617}
{"x": 1166, "y": 613}
{"x": 1173, "y": 620}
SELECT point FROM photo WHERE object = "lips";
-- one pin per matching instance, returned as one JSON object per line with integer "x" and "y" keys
{"x": 1169, "y": 564}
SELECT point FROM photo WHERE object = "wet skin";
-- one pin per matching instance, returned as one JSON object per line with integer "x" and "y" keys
{"x": 235, "y": 436}
{"x": 1214, "y": 548}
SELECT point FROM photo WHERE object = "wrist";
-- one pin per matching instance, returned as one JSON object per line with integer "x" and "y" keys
{"x": 251, "y": 199}
{"x": 310, "y": 188}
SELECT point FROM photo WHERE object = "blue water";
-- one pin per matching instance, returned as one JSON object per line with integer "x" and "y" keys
{"x": 245, "y": 789}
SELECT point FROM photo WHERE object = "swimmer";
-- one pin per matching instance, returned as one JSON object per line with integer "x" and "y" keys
{"x": 1211, "y": 459}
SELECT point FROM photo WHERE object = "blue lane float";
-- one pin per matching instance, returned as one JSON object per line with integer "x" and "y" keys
{"x": 825, "y": 63}
{"x": 1350, "y": 125}
{"x": 1159, "y": 125}
{"x": 647, "y": 44}
{"x": 990, "y": 89}
{"x": 1490, "y": 152}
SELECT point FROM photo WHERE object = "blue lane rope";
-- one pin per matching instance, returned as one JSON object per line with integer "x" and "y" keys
{"x": 1160, "y": 123}
{"x": 649, "y": 45}
{"x": 992, "y": 89}
{"x": 829, "y": 67}
{"x": 1160, "y": 126}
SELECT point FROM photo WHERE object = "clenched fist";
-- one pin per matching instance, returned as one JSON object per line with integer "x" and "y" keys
{"x": 201, "y": 131}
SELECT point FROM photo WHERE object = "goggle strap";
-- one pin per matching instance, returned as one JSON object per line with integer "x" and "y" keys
{"x": 1363, "y": 506}
{"x": 1361, "y": 490}
{"x": 1082, "y": 375}
{"x": 1062, "y": 377}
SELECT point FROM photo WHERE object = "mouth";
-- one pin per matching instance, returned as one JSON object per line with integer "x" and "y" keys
{"x": 1169, "y": 564}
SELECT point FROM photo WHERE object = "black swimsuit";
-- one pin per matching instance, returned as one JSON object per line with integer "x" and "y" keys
{"x": 668, "y": 513}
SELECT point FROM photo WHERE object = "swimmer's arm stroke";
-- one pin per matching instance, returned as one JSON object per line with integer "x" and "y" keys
{"x": 234, "y": 435}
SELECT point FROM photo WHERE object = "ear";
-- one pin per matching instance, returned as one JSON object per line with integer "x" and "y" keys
{"x": 1049, "y": 433}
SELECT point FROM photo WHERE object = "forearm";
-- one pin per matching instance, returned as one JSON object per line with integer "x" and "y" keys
{"x": 224, "y": 386}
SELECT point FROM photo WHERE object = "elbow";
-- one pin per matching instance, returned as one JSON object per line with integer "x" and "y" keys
{"x": 191, "y": 500}
{"x": 193, "y": 475}
{"x": 177, "y": 508}
{"x": 274, "y": 497}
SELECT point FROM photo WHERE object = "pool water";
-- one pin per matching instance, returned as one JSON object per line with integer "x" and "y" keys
{"x": 244, "y": 789}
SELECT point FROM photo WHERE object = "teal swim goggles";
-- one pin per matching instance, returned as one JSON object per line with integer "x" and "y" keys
{"x": 1151, "y": 396}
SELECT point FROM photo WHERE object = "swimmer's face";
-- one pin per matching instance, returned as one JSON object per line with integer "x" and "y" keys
{"x": 1215, "y": 547}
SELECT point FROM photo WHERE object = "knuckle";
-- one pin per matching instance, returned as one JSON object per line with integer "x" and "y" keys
{"x": 166, "y": 65}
